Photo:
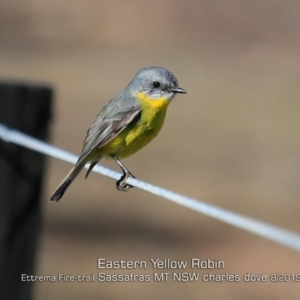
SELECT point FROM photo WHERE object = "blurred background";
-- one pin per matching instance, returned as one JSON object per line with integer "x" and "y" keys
{"x": 232, "y": 141}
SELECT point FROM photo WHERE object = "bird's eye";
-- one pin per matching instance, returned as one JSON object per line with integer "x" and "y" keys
{"x": 156, "y": 84}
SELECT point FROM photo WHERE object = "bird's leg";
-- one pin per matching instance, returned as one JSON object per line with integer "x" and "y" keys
{"x": 121, "y": 184}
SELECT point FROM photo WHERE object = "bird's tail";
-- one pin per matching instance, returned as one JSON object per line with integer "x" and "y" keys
{"x": 60, "y": 190}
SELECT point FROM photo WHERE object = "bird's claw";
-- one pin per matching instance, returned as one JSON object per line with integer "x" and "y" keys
{"x": 121, "y": 183}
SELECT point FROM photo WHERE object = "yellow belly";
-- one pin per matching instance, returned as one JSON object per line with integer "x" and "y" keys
{"x": 136, "y": 136}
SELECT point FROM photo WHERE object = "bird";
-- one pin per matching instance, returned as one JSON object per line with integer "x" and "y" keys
{"x": 126, "y": 124}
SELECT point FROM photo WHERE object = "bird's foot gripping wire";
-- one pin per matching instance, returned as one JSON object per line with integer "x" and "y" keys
{"x": 121, "y": 183}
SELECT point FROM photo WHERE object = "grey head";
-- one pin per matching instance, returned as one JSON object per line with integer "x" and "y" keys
{"x": 155, "y": 82}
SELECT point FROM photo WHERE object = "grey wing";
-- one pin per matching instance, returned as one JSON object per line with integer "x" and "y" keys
{"x": 105, "y": 128}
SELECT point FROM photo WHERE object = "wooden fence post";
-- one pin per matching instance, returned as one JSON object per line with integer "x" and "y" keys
{"x": 26, "y": 108}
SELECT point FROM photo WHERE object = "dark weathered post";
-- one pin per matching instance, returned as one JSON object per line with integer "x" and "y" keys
{"x": 26, "y": 108}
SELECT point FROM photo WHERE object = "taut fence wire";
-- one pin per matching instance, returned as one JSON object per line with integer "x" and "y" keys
{"x": 276, "y": 234}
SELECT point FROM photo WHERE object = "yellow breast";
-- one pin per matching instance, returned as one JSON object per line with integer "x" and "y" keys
{"x": 138, "y": 135}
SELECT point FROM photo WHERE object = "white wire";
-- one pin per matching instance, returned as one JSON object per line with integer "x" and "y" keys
{"x": 273, "y": 233}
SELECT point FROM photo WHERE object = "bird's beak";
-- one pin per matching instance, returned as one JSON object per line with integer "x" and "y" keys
{"x": 178, "y": 90}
